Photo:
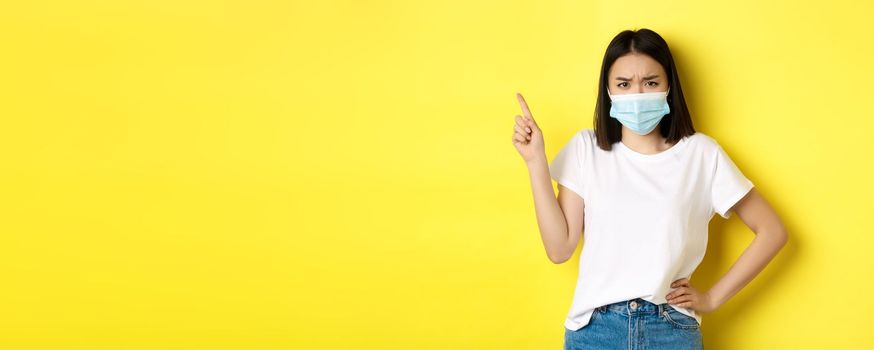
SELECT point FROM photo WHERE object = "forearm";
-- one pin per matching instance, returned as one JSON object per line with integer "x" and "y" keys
{"x": 753, "y": 260}
{"x": 550, "y": 218}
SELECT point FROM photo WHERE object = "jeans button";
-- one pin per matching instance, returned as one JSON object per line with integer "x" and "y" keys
{"x": 634, "y": 305}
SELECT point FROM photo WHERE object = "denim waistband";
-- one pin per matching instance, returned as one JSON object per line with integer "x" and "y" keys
{"x": 635, "y": 306}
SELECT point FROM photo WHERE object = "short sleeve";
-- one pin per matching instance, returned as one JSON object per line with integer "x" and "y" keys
{"x": 567, "y": 166}
{"x": 729, "y": 184}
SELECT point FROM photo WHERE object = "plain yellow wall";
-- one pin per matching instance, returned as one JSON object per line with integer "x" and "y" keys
{"x": 339, "y": 174}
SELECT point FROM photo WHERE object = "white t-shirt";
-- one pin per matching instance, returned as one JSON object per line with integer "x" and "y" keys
{"x": 646, "y": 216}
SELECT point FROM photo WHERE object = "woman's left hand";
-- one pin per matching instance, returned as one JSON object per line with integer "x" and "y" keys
{"x": 685, "y": 295}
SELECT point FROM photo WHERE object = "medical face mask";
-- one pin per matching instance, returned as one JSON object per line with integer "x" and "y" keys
{"x": 639, "y": 112}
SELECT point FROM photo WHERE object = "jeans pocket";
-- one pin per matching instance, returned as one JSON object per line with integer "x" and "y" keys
{"x": 600, "y": 310}
{"x": 679, "y": 319}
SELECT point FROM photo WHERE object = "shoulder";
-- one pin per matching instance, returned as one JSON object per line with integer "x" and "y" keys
{"x": 582, "y": 138}
{"x": 586, "y": 136}
{"x": 709, "y": 148}
{"x": 704, "y": 142}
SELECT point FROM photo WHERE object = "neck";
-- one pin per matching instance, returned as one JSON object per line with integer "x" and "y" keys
{"x": 651, "y": 143}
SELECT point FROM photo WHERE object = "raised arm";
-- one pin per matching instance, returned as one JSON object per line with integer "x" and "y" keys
{"x": 560, "y": 220}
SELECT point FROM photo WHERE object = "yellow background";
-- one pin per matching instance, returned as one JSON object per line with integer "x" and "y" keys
{"x": 339, "y": 174}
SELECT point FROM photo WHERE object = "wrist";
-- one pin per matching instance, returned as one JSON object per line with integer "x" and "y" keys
{"x": 715, "y": 300}
{"x": 537, "y": 161}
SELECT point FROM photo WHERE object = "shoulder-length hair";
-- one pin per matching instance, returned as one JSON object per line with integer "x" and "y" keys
{"x": 674, "y": 125}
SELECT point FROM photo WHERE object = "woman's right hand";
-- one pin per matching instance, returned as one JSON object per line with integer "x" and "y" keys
{"x": 527, "y": 136}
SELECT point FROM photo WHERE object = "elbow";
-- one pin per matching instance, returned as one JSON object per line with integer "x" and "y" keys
{"x": 560, "y": 253}
{"x": 779, "y": 235}
{"x": 784, "y": 236}
{"x": 558, "y": 258}
{"x": 557, "y": 261}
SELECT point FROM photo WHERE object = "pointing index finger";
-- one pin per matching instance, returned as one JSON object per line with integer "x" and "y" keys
{"x": 525, "y": 110}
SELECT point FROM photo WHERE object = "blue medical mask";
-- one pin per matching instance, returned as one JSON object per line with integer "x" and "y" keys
{"x": 639, "y": 112}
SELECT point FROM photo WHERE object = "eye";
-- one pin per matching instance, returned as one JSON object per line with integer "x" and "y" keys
{"x": 653, "y": 83}
{"x": 620, "y": 84}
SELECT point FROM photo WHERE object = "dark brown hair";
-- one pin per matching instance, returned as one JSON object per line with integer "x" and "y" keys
{"x": 674, "y": 125}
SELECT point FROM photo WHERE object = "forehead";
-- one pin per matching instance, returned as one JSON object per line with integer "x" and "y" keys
{"x": 635, "y": 64}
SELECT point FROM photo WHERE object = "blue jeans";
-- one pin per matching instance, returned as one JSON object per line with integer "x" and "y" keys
{"x": 636, "y": 324}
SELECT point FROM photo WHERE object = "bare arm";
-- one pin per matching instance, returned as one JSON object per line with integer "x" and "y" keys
{"x": 771, "y": 236}
{"x": 560, "y": 219}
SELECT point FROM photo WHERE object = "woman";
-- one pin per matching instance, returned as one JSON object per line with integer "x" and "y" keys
{"x": 644, "y": 185}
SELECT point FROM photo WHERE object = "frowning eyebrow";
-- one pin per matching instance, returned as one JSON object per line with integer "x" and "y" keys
{"x": 644, "y": 78}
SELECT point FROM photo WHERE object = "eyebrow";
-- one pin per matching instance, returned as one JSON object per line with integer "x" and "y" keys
{"x": 644, "y": 78}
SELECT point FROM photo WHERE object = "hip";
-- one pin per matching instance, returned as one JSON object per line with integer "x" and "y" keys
{"x": 636, "y": 324}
